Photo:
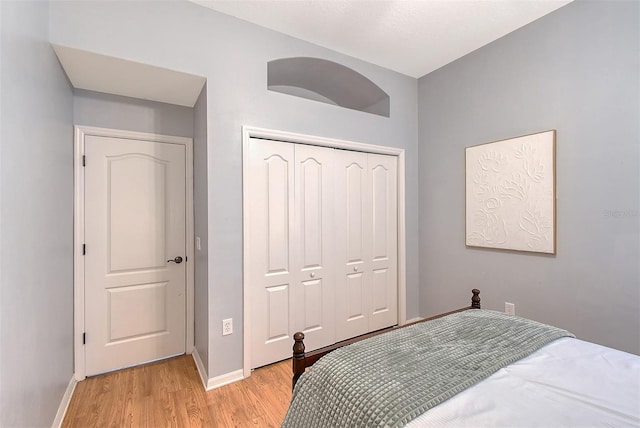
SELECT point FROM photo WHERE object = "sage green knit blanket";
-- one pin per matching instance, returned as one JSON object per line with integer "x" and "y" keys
{"x": 390, "y": 379}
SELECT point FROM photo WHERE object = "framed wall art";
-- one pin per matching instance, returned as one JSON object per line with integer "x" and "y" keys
{"x": 511, "y": 194}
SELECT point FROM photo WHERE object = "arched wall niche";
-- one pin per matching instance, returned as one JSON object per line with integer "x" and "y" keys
{"x": 328, "y": 82}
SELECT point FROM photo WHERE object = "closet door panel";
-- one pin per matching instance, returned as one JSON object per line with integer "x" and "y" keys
{"x": 277, "y": 214}
{"x": 310, "y": 192}
{"x": 313, "y": 245}
{"x": 384, "y": 241}
{"x": 356, "y": 295}
{"x": 354, "y": 202}
{"x": 277, "y": 305}
{"x": 380, "y": 298}
{"x": 352, "y": 208}
{"x": 380, "y": 212}
{"x": 270, "y": 214}
{"x": 313, "y": 296}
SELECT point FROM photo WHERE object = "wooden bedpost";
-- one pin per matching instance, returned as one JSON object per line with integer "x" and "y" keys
{"x": 475, "y": 300}
{"x": 298, "y": 357}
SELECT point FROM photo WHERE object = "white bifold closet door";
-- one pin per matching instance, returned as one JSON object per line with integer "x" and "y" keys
{"x": 322, "y": 246}
{"x": 366, "y": 212}
{"x": 313, "y": 293}
{"x": 291, "y": 240}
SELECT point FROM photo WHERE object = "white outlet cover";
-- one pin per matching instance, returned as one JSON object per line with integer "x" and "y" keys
{"x": 509, "y": 308}
{"x": 227, "y": 326}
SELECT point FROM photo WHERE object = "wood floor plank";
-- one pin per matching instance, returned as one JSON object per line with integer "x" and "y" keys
{"x": 169, "y": 393}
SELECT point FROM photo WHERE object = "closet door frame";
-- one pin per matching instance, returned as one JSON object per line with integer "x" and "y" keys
{"x": 249, "y": 132}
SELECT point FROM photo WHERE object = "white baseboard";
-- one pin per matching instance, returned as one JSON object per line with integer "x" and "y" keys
{"x": 224, "y": 379}
{"x": 64, "y": 404}
{"x": 413, "y": 320}
{"x": 201, "y": 371}
{"x": 218, "y": 381}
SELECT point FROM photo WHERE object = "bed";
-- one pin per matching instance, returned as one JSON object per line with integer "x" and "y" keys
{"x": 465, "y": 368}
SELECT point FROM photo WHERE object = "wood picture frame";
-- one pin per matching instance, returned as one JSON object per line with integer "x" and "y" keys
{"x": 510, "y": 194}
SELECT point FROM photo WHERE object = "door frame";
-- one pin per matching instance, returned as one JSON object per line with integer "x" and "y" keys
{"x": 249, "y": 132}
{"x": 80, "y": 132}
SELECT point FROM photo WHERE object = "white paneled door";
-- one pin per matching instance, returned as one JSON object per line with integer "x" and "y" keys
{"x": 135, "y": 275}
{"x": 366, "y": 217}
{"x": 313, "y": 246}
{"x": 321, "y": 248}
{"x": 353, "y": 251}
{"x": 383, "y": 241}
{"x": 271, "y": 273}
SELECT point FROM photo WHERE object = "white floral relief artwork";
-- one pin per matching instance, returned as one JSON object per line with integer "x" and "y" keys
{"x": 510, "y": 194}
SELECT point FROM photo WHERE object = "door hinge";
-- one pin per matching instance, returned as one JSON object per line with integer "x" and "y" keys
{"x": 84, "y": 249}
{"x": 84, "y": 338}
{"x": 84, "y": 160}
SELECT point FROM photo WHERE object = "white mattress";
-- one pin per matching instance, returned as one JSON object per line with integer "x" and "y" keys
{"x": 568, "y": 383}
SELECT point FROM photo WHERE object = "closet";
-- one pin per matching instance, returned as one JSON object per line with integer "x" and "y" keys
{"x": 322, "y": 245}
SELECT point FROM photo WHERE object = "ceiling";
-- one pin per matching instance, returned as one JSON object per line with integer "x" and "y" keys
{"x": 412, "y": 37}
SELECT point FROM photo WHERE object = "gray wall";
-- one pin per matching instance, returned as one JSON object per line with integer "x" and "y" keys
{"x": 201, "y": 229}
{"x": 36, "y": 219}
{"x": 131, "y": 114}
{"x": 576, "y": 71}
{"x": 233, "y": 56}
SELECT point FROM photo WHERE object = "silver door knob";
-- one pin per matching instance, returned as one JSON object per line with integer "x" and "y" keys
{"x": 312, "y": 274}
{"x": 355, "y": 268}
{"x": 177, "y": 260}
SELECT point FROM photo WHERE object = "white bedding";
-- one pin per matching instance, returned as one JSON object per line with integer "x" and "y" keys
{"x": 568, "y": 383}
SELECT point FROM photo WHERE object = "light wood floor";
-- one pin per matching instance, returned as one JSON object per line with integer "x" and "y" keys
{"x": 169, "y": 393}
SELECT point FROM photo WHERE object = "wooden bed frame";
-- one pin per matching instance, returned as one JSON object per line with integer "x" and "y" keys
{"x": 302, "y": 360}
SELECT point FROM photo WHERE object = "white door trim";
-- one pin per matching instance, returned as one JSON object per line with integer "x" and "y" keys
{"x": 78, "y": 240}
{"x": 249, "y": 132}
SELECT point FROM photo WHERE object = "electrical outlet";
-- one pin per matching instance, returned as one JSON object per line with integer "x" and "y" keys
{"x": 509, "y": 308}
{"x": 227, "y": 326}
